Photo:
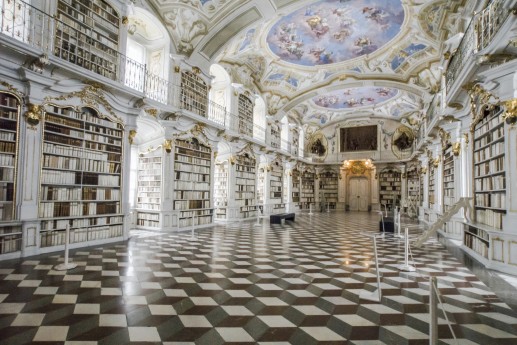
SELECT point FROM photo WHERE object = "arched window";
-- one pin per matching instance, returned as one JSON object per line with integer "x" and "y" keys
{"x": 219, "y": 97}
{"x": 147, "y": 63}
{"x": 259, "y": 119}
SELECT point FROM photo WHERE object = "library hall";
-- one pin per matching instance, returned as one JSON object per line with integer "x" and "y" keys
{"x": 208, "y": 172}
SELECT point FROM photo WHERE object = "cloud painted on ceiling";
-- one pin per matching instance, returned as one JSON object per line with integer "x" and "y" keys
{"x": 333, "y": 31}
{"x": 355, "y": 97}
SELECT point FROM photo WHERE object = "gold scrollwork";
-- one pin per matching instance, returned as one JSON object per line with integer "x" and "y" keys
{"x": 423, "y": 170}
{"x": 152, "y": 111}
{"x": 131, "y": 136}
{"x": 232, "y": 160}
{"x": 436, "y": 161}
{"x": 33, "y": 114}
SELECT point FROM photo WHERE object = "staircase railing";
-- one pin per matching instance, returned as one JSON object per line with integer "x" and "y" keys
{"x": 440, "y": 222}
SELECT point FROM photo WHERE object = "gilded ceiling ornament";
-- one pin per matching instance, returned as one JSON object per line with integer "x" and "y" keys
{"x": 13, "y": 90}
{"x": 131, "y": 136}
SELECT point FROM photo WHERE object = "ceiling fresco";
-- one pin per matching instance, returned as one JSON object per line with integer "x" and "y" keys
{"x": 333, "y": 31}
{"x": 355, "y": 97}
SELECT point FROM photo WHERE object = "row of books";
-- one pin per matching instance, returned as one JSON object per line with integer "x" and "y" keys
{"x": 490, "y": 167}
{"x": 489, "y": 152}
{"x": 200, "y": 220}
{"x": 60, "y": 224}
{"x": 56, "y": 238}
{"x": 85, "y": 178}
{"x": 77, "y": 209}
{"x": 149, "y": 223}
{"x": 476, "y": 244}
{"x": 244, "y": 181}
{"x": 6, "y": 212}
{"x": 8, "y": 101}
{"x": 493, "y": 200}
{"x": 245, "y": 188}
{"x": 191, "y": 204}
{"x": 490, "y": 218}
{"x": 488, "y": 124}
{"x": 9, "y": 115}
{"x": 245, "y": 195}
{"x": 144, "y": 185}
{"x": 188, "y": 177}
{"x": 8, "y": 136}
{"x": 189, "y": 195}
{"x": 150, "y": 207}
{"x": 7, "y": 147}
{"x": 148, "y": 200}
{"x": 192, "y": 160}
{"x": 150, "y": 175}
{"x": 6, "y": 174}
{"x": 489, "y": 138}
{"x": 193, "y": 146}
{"x": 178, "y": 166}
{"x": 10, "y": 243}
{"x": 497, "y": 182}
{"x": 79, "y": 152}
{"x": 245, "y": 175}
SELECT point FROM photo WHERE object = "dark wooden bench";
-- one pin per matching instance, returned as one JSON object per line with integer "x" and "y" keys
{"x": 277, "y": 218}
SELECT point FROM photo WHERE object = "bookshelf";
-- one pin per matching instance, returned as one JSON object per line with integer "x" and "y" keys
{"x": 275, "y": 138}
{"x": 295, "y": 191}
{"x": 295, "y": 142}
{"x": 194, "y": 93}
{"x": 245, "y": 109}
{"x": 221, "y": 190}
{"x": 413, "y": 190}
{"x": 307, "y": 189}
{"x": 329, "y": 188}
{"x": 489, "y": 170}
{"x": 261, "y": 185}
{"x": 245, "y": 177}
{"x": 149, "y": 186}
{"x": 10, "y": 230}
{"x": 275, "y": 187}
{"x": 87, "y": 34}
{"x": 431, "y": 188}
{"x": 421, "y": 187}
{"x": 390, "y": 188}
{"x": 448, "y": 179}
{"x": 80, "y": 176}
{"x": 192, "y": 170}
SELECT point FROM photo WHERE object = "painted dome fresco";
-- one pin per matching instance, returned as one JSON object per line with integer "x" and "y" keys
{"x": 333, "y": 31}
{"x": 355, "y": 97}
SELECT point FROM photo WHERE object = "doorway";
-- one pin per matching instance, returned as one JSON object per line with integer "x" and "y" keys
{"x": 358, "y": 194}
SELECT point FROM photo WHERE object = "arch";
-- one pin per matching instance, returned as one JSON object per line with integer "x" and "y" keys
{"x": 259, "y": 119}
{"x": 148, "y": 45}
{"x": 220, "y": 94}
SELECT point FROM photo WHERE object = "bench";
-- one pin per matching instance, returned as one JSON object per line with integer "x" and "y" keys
{"x": 277, "y": 218}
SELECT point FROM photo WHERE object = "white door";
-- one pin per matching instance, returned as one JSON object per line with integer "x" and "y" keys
{"x": 358, "y": 195}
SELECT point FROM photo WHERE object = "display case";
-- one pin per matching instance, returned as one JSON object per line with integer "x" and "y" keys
{"x": 10, "y": 228}
{"x": 81, "y": 176}
{"x": 192, "y": 171}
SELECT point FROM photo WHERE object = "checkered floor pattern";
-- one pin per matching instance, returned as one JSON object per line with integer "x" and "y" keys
{"x": 294, "y": 283}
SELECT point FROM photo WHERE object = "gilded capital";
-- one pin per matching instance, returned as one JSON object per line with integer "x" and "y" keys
{"x": 510, "y": 115}
{"x": 167, "y": 145}
{"x": 456, "y": 148}
{"x": 131, "y": 136}
{"x": 33, "y": 114}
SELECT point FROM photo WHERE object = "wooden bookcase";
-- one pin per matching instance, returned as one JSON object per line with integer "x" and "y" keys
{"x": 87, "y": 34}
{"x": 81, "y": 176}
{"x": 307, "y": 189}
{"x": 245, "y": 185}
{"x": 221, "y": 190}
{"x": 245, "y": 109}
{"x": 390, "y": 188}
{"x": 10, "y": 229}
{"x": 149, "y": 189}
{"x": 192, "y": 171}
{"x": 329, "y": 188}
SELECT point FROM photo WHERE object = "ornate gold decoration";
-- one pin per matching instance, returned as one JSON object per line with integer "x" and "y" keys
{"x": 196, "y": 70}
{"x": 466, "y": 136}
{"x": 91, "y": 95}
{"x": 358, "y": 167}
{"x": 13, "y": 90}
{"x": 167, "y": 145}
{"x": 423, "y": 170}
{"x": 152, "y": 111}
{"x": 447, "y": 55}
{"x": 131, "y": 136}
{"x": 232, "y": 160}
{"x": 510, "y": 115}
{"x": 456, "y": 148}
{"x": 479, "y": 101}
{"x": 444, "y": 136}
{"x": 33, "y": 114}
{"x": 125, "y": 20}
{"x": 177, "y": 69}
{"x": 436, "y": 161}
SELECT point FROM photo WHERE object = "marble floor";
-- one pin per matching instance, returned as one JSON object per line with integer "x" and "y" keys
{"x": 295, "y": 283}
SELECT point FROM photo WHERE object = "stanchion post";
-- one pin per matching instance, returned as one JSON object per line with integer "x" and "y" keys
{"x": 192, "y": 236}
{"x": 433, "y": 312}
{"x": 66, "y": 265}
{"x": 376, "y": 295}
{"x": 396, "y": 220}
{"x": 406, "y": 266}
{"x": 310, "y": 209}
{"x": 328, "y": 207}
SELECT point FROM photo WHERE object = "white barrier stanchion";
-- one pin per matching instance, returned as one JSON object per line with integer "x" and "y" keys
{"x": 433, "y": 312}
{"x": 376, "y": 295}
{"x": 397, "y": 224}
{"x": 406, "y": 267}
{"x": 310, "y": 210}
{"x": 328, "y": 207}
{"x": 193, "y": 235}
{"x": 66, "y": 265}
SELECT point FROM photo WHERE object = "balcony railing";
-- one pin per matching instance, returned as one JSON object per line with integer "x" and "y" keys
{"x": 480, "y": 33}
